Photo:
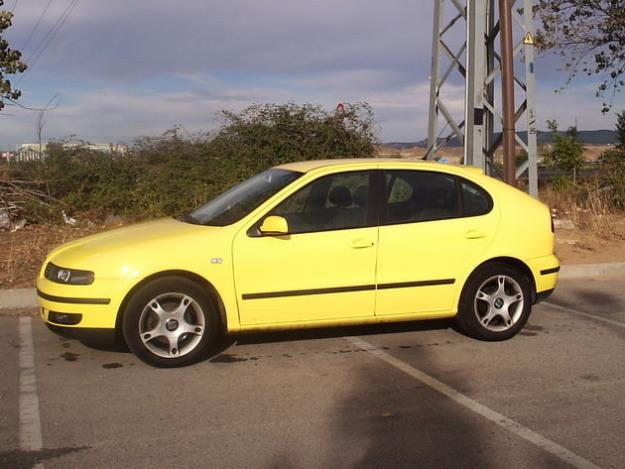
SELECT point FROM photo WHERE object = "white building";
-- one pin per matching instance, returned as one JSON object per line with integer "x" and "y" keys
{"x": 33, "y": 151}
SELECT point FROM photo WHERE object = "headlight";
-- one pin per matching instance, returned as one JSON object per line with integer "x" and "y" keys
{"x": 58, "y": 274}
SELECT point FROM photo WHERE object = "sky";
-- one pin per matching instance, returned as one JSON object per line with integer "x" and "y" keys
{"x": 124, "y": 69}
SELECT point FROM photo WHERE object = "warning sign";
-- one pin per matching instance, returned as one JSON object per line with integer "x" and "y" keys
{"x": 528, "y": 40}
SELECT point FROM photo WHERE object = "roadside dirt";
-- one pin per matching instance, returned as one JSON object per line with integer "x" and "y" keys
{"x": 23, "y": 251}
{"x": 582, "y": 247}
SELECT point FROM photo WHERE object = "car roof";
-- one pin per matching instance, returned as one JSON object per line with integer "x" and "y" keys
{"x": 413, "y": 163}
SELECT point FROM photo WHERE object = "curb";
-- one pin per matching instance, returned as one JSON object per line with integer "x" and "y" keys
{"x": 608, "y": 269}
{"x": 18, "y": 298}
{"x": 27, "y": 297}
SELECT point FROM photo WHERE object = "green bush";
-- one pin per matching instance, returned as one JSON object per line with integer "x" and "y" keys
{"x": 563, "y": 183}
{"x": 174, "y": 173}
{"x": 567, "y": 153}
{"x": 612, "y": 176}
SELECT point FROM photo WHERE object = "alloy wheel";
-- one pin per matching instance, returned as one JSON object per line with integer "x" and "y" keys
{"x": 171, "y": 325}
{"x": 499, "y": 303}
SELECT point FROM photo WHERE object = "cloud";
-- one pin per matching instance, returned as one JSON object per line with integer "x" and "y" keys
{"x": 112, "y": 114}
{"x": 120, "y": 41}
{"x": 136, "y": 68}
{"x": 108, "y": 114}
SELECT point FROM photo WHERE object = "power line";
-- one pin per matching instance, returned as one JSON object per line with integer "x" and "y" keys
{"x": 32, "y": 31}
{"x": 48, "y": 38}
{"x": 13, "y": 102}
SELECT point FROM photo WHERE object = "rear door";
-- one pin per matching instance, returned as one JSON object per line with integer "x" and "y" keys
{"x": 434, "y": 226}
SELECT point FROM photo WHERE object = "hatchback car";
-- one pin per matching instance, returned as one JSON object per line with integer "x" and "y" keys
{"x": 311, "y": 244}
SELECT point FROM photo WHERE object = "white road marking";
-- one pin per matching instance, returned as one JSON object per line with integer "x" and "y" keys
{"x": 514, "y": 427}
{"x": 586, "y": 315}
{"x": 30, "y": 422}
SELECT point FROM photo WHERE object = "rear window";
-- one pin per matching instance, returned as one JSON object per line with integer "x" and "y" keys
{"x": 475, "y": 200}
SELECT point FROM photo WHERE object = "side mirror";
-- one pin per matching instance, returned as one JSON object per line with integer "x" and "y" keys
{"x": 273, "y": 225}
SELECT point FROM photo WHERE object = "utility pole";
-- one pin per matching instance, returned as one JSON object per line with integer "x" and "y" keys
{"x": 485, "y": 65}
{"x": 41, "y": 122}
{"x": 507, "y": 91}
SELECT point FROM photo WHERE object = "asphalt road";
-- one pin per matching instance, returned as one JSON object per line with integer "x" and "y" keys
{"x": 416, "y": 395}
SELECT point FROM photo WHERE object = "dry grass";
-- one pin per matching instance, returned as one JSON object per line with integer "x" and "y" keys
{"x": 589, "y": 210}
{"x": 453, "y": 154}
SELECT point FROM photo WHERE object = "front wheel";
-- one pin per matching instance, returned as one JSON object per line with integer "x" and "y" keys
{"x": 169, "y": 322}
{"x": 495, "y": 303}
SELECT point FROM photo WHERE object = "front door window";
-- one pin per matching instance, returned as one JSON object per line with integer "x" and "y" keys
{"x": 334, "y": 202}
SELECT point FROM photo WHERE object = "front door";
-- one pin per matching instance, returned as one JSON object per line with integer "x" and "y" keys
{"x": 324, "y": 269}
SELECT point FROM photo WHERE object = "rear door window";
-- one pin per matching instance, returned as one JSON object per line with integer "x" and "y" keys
{"x": 416, "y": 196}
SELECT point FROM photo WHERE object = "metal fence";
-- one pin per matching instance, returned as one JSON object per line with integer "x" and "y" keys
{"x": 28, "y": 154}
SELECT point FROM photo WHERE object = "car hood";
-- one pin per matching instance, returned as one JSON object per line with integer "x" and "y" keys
{"x": 162, "y": 239}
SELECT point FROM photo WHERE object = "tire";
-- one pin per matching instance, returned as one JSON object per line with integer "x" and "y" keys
{"x": 495, "y": 302}
{"x": 170, "y": 322}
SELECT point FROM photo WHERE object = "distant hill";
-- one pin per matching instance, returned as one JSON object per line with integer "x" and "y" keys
{"x": 588, "y": 137}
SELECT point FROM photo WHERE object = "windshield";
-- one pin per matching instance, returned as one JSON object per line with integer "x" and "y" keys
{"x": 237, "y": 202}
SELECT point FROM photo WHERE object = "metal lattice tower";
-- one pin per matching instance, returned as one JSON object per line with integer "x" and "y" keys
{"x": 474, "y": 59}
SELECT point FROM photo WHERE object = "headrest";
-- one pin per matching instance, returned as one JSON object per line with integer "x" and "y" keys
{"x": 340, "y": 196}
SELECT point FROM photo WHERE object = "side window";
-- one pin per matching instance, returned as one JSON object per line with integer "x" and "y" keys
{"x": 415, "y": 196}
{"x": 475, "y": 200}
{"x": 334, "y": 202}
{"x": 400, "y": 191}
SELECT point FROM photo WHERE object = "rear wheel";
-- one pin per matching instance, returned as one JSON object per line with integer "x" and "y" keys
{"x": 495, "y": 303}
{"x": 170, "y": 322}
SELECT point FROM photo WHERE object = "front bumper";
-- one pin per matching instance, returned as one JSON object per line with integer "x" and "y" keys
{"x": 102, "y": 336}
{"x": 98, "y": 304}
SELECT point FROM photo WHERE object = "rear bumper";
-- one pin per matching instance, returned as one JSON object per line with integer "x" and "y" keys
{"x": 546, "y": 273}
{"x": 542, "y": 296}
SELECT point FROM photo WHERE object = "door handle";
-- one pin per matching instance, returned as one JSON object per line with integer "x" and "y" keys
{"x": 474, "y": 234}
{"x": 361, "y": 243}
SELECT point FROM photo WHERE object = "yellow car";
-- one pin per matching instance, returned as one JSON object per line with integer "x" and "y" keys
{"x": 309, "y": 244}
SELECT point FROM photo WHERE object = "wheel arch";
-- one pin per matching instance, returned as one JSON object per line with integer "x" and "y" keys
{"x": 199, "y": 280}
{"x": 512, "y": 262}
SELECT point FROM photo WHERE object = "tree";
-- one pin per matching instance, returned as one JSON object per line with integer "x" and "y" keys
{"x": 178, "y": 171}
{"x": 567, "y": 152}
{"x": 590, "y": 36}
{"x": 265, "y": 135}
{"x": 10, "y": 61}
{"x": 616, "y": 155}
{"x": 620, "y": 130}
{"x": 612, "y": 172}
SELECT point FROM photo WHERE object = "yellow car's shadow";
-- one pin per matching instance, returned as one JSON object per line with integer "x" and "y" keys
{"x": 227, "y": 341}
